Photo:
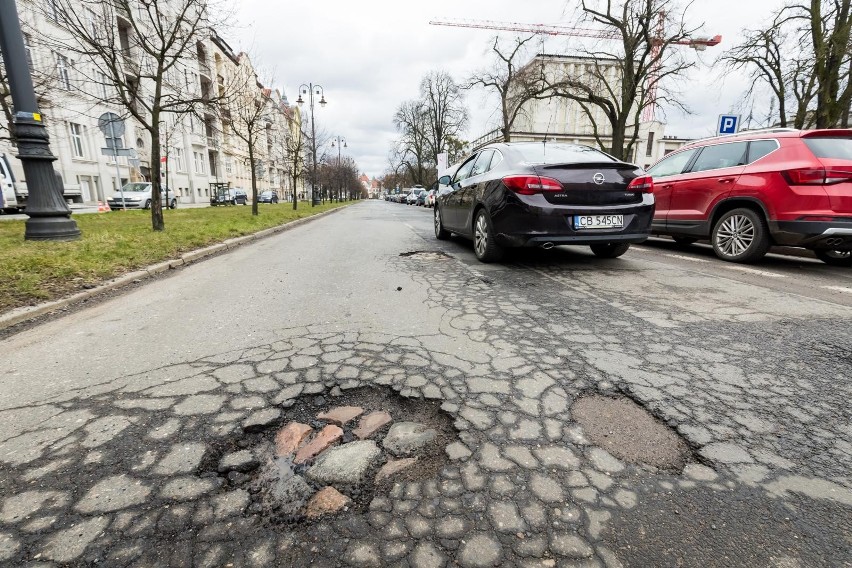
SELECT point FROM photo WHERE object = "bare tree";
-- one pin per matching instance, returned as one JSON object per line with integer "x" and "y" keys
{"x": 44, "y": 84}
{"x": 515, "y": 84}
{"x": 248, "y": 112}
{"x": 141, "y": 50}
{"x": 642, "y": 59}
{"x": 294, "y": 154}
{"x": 412, "y": 150}
{"x": 446, "y": 114}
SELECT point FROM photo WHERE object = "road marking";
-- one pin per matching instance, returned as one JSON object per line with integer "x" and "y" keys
{"x": 839, "y": 289}
{"x": 689, "y": 258}
{"x": 753, "y": 271}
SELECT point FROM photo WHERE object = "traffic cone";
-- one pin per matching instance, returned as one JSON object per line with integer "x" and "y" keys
{"x": 103, "y": 207}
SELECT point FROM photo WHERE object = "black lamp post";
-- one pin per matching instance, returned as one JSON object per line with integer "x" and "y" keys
{"x": 310, "y": 89}
{"x": 340, "y": 141}
{"x": 49, "y": 216}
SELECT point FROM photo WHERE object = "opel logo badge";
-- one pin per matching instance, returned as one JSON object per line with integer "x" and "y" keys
{"x": 598, "y": 178}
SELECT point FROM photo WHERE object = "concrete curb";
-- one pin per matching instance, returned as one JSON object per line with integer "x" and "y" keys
{"x": 20, "y": 315}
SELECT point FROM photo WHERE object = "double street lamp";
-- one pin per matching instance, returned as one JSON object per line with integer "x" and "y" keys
{"x": 310, "y": 89}
{"x": 341, "y": 143}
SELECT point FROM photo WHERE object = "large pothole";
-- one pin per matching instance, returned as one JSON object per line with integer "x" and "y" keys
{"x": 631, "y": 433}
{"x": 329, "y": 454}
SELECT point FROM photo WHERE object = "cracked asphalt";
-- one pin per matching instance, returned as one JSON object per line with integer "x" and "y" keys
{"x": 107, "y": 414}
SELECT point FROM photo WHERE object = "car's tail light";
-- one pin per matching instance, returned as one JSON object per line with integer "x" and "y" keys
{"x": 817, "y": 176}
{"x": 643, "y": 184}
{"x": 530, "y": 185}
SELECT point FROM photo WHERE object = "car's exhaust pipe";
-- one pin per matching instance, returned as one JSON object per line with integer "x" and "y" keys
{"x": 547, "y": 246}
{"x": 834, "y": 241}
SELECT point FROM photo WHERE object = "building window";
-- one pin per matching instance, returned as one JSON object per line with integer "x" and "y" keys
{"x": 29, "y": 50}
{"x": 229, "y": 166}
{"x": 63, "y": 72}
{"x": 649, "y": 150}
{"x": 199, "y": 162}
{"x": 77, "y": 143}
{"x": 178, "y": 154}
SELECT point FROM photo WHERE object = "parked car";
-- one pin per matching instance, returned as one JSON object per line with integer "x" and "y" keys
{"x": 411, "y": 197}
{"x": 749, "y": 191}
{"x": 232, "y": 196}
{"x": 267, "y": 197}
{"x": 420, "y": 200}
{"x": 137, "y": 195}
{"x": 430, "y": 195}
{"x": 531, "y": 194}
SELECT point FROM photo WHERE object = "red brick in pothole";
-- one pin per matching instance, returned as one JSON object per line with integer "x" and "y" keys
{"x": 290, "y": 437}
{"x": 341, "y": 415}
{"x": 327, "y": 436}
{"x": 327, "y": 500}
{"x": 370, "y": 423}
{"x": 393, "y": 467}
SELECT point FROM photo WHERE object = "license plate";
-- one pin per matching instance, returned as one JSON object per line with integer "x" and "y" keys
{"x": 598, "y": 221}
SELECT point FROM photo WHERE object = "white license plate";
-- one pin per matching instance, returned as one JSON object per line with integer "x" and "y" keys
{"x": 598, "y": 221}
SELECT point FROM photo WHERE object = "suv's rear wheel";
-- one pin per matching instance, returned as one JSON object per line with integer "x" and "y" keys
{"x": 835, "y": 257}
{"x": 610, "y": 250}
{"x": 740, "y": 235}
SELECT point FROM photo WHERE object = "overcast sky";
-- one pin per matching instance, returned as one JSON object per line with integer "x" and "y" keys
{"x": 370, "y": 55}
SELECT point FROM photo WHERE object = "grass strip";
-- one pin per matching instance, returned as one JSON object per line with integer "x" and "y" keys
{"x": 119, "y": 242}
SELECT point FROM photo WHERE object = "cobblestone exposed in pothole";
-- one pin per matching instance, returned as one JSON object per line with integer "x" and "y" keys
{"x": 330, "y": 453}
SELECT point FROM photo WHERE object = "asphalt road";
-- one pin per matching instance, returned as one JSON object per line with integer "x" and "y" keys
{"x": 107, "y": 415}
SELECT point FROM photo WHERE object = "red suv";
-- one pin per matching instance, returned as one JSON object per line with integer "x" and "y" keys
{"x": 749, "y": 191}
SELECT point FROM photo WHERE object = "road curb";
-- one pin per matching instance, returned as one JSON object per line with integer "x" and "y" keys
{"x": 20, "y": 315}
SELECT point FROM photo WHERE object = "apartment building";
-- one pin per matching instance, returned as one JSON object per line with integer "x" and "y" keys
{"x": 196, "y": 149}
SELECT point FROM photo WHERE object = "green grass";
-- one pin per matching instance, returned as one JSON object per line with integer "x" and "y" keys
{"x": 119, "y": 242}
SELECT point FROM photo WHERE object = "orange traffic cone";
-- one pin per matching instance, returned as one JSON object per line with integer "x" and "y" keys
{"x": 103, "y": 207}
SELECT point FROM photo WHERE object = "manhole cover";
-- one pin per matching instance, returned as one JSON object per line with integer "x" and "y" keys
{"x": 629, "y": 432}
{"x": 330, "y": 454}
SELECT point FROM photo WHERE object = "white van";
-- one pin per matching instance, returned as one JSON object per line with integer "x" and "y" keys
{"x": 13, "y": 196}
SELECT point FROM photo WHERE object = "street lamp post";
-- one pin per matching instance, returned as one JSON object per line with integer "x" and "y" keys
{"x": 340, "y": 141}
{"x": 310, "y": 89}
{"x": 49, "y": 216}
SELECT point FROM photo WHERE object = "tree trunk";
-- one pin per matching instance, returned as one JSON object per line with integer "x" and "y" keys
{"x": 253, "y": 179}
{"x": 157, "y": 222}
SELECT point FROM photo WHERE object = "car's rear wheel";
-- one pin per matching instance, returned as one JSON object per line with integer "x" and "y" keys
{"x": 610, "y": 250}
{"x": 835, "y": 257}
{"x": 684, "y": 241}
{"x": 173, "y": 204}
{"x": 147, "y": 204}
{"x": 740, "y": 235}
{"x": 440, "y": 232}
{"x": 484, "y": 247}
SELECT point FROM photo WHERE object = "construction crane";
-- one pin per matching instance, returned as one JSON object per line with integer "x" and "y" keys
{"x": 648, "y": 114}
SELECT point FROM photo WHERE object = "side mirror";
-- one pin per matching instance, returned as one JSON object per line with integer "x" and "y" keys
{"x": 444, "y": 180}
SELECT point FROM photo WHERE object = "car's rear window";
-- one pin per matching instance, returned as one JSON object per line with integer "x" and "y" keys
{"x": 832, "y": 148}
{"x": 549, "y": 153}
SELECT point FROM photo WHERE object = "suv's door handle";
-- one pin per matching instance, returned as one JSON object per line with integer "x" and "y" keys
{"x": 668, "y": 186}
{"x": 725, "y": 180}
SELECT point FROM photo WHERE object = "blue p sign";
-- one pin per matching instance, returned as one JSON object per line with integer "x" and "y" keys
{"x": 728, "y": 124}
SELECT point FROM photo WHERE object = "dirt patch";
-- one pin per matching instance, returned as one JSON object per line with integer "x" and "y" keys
{"x": 631, "y": 433}
{"x": 426, "y": 254}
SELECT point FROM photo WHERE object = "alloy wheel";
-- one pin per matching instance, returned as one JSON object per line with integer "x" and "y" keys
{"x": 437, "y": 222}
{"x": 480, "y": 237}
{"x": 735, "y": 235}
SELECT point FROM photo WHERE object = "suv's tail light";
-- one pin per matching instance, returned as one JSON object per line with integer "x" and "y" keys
{"x": 643, "y": 184}
{"x": 817, "y": 176}
{"x": 530, "y": 185}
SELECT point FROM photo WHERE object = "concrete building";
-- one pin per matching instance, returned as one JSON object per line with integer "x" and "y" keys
{"x": 564, "y": 120}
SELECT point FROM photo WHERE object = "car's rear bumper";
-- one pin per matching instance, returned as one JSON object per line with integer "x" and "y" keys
{"x": 519, "y": 225}
{"x": 833, "y": 235}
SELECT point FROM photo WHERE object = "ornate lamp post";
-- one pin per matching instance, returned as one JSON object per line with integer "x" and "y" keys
{"x": 310, "y": 89}
{"x": 49, "y": 216}
{"x": 339, "y": 141}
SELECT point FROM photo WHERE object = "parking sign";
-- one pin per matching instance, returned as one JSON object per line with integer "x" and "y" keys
{"x": 728, "y": 124}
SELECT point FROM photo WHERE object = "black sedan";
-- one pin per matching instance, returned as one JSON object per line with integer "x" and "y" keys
{"x": 545, "y": 194}
{"x": 267, "y": 197}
